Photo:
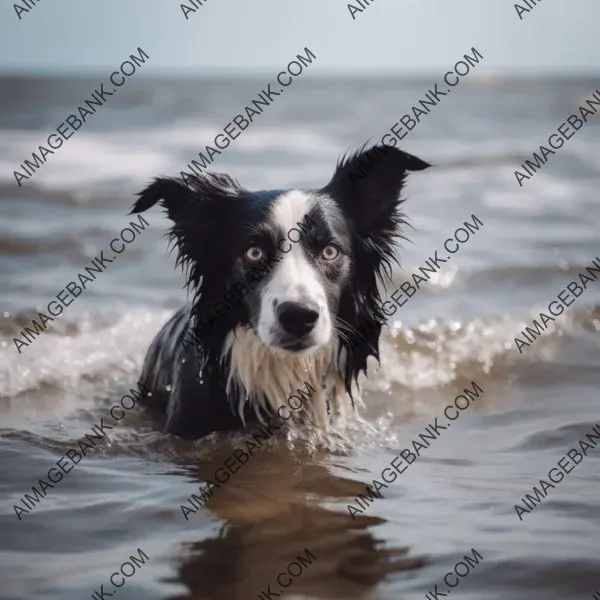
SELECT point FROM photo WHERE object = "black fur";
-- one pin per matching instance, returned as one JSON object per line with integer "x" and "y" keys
{"x": 214, "y": 221}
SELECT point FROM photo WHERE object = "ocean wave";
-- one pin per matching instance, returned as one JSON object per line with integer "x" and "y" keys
{"x": 62, "y": 360}
{"x": 434, "y": 353}
{"x": 132, "y": 157}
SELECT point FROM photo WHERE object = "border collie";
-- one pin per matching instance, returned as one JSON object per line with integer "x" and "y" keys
{"x": 272, "y": 310}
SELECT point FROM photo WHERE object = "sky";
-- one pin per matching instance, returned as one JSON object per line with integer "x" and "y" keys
{"x": 248, "y": 37}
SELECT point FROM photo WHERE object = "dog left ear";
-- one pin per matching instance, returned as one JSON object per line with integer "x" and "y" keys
{"x": 367, "y": 186}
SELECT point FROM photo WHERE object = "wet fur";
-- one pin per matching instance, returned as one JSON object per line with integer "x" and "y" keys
{"x": 231, "y": 377}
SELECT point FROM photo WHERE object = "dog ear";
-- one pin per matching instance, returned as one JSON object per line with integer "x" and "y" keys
{"x": 200, "y": 210}
{"x": 174, "y": 194}
{"x": 200, "y": 202}
{"x": 367, "y": 185}
{"x": 180, "y": 199}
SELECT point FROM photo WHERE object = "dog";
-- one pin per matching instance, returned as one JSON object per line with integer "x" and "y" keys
{"x": 270, "y": 311}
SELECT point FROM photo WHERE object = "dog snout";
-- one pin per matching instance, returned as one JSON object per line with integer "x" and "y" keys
{"x": 297, "y": 319}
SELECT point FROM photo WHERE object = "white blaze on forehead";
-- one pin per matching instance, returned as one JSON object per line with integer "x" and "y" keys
{"x": 290, "y": 209}
{"x": 294, "y": 278}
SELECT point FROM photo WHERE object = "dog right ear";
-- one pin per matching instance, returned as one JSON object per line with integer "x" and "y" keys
{"x": 174, "y": 194}
{"x": 201, "y": 209}
{"x": 200, "y": 196}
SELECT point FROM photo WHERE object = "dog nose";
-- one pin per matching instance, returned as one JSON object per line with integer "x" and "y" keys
{"x": 297, "y": 319}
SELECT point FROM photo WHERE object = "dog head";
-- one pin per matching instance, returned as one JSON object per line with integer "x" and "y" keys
{"x": 297, "y": 268}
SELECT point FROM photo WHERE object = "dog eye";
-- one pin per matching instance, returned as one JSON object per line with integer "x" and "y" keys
{"x": 330, "y": 253}
{"x": 254, "y": 254}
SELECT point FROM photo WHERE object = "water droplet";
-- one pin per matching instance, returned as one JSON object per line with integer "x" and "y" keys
{"x": 168, "y": 388}
{"x": 7, "y": 314}
{"x": 149, "y": 393}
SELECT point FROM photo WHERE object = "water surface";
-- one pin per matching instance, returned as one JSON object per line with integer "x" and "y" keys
{"x": 294, "y": 494}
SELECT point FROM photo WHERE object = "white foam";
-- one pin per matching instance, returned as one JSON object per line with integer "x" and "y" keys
{"x": 62, "y": 362}
{"x": 434, "y": 353}
{"x": 134, "y": 157}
